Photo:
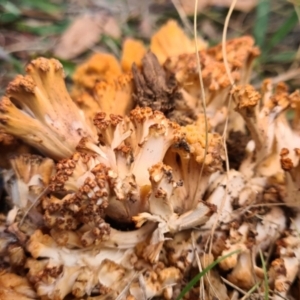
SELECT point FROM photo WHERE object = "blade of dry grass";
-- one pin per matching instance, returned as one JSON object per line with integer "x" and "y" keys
{"x": 203, "y": 98}
{"x": 224, "y": 53}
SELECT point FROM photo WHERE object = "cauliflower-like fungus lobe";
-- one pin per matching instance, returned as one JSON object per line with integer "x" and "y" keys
{"x": 38, "y": 110}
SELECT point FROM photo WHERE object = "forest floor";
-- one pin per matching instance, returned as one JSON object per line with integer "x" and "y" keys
{"x": 32, "y": 28}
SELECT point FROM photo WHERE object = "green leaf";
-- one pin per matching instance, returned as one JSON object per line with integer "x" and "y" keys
{"x": 261, "y": 22}
{"x": 297, "y": 7}
{"x": 8, "y": 18}
{"x": 282, "y": 32}
{"x": 112, "y": 44}
{"x": 10, "y": 12}
{"x": 45, "y": 6}
{"x": 284, "y": 57}
{"x": 9, "y": 7}
{"x": 18, "y": 65}
{"x": 290, "y": 115}
{"x": 69, "y": 67}
{"x": 44, "y": 29}
{"x": 190, "y": 285}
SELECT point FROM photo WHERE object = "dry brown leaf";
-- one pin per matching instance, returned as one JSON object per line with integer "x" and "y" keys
{"x": 188, "y": 6}
{"x": 84, "y": 32}
{"x": 112, "y": 28}
{"x": 245, "y": 5}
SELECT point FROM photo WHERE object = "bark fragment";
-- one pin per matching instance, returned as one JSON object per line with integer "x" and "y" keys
{"x": 159, "y": 90}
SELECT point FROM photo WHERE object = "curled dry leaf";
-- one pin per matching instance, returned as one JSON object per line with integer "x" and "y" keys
{"x": 84, "y": 32}
{"x": 111, "y": 28}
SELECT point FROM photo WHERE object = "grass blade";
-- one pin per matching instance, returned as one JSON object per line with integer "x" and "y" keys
{"x": 283, "y": 31}
{"x": 44, "y": 30}
{"x": 264, "y": 267}
{"x": 9, "y": 7}
{"x": 261, "y": 22}
{"x": 246, "y": 296}
{"x": 8, "y": 18}
{"x": 69, "y": 67}
{"x": 297, "y": 7}
{"x": 10, "y": 13}
{"x": 45, "y": 6}
{"x": 190, "y": 285}
{"x": 284, "y": 57}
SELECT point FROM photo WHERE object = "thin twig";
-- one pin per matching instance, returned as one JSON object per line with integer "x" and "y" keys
{"x": 250, "y": 291}
{"x": 125, "y": 289}
{"x": 182, "y": 15}
{"x": 34, "y": 202}
{"x": 224, "y": 53}
{"x": 291, "y": 74}
{"x": 31, "y": 46}
{"x": 203, "y": 97}
{"x": 233, "y": 286}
